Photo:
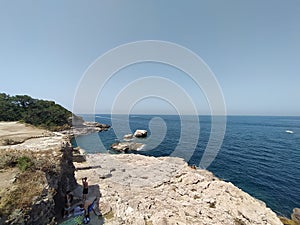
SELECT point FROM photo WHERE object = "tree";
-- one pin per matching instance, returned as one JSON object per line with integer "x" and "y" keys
{"x": 37, "y": 112}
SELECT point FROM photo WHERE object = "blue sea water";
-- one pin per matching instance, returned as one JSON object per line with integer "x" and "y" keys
{"x": 257, "y": 153}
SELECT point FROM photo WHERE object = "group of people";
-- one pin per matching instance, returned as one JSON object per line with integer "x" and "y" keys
{"x": 83, "y": 208}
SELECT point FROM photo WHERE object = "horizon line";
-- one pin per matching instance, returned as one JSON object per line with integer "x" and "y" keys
{"x": 166, "y": 114}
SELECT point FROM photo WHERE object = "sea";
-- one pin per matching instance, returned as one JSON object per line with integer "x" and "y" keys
{"x": 259, "y": 154}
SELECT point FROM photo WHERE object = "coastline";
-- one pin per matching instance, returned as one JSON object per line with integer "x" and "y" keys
{"x": 136, "y": 189}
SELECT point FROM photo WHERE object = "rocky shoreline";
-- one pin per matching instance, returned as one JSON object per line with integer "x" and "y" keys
{"x": 138, "y": 189}
{"x": 85, "y": 128}
{"x": 130, "y": 188}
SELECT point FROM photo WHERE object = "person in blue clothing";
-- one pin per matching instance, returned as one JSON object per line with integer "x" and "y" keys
{"x": 88, "y": 207}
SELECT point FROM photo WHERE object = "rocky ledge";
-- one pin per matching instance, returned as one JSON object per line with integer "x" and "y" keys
{"x": 143, "y": 190}
{"x": 36, "y": 169}
{"x": 127, "y": 146}
{"x": 85, "y": 128}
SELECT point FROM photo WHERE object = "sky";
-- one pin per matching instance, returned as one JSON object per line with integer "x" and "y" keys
{"x": 252, "y": 48}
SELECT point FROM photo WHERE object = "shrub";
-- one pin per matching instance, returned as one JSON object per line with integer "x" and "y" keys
{"x": 7, "y": 160}
{"x": 24, "y": 163}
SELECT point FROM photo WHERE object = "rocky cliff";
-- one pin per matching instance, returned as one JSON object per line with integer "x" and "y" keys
{"x": 136, "y": 189}
{"x": 35, "y": 173}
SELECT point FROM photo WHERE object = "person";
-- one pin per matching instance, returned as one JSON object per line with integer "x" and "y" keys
{"x": 88, "y": 207}
{"x": 85, "y": 188}
{"x": 68, "y": 202}
{"x": 78, "y": 210}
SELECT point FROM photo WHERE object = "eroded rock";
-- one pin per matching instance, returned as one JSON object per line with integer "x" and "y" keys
{"x": 128, "y": 136}
{"x": 140, "y": 133}
{"x": 126, "y": 146}
{"x": 296, "y": 215}
{"x": 148, "y": 190}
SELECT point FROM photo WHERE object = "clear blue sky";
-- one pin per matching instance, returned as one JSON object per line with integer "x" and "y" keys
{"x": 253, "y": 48}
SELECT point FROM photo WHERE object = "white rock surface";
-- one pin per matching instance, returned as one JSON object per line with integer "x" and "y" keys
{"x": 125, "y": 146}
{"x": 144, "y": 190}
{"x": 140, "y": 133}
{"x": 128, "y": 136}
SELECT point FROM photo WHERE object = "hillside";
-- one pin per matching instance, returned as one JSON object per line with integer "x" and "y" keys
{"x": 41, "y": 113}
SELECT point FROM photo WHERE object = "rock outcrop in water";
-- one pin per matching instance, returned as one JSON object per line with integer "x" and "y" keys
{"x": 85, "y": 128}
{"x": 126, "y": 146}
{"x": 140, "y": 133}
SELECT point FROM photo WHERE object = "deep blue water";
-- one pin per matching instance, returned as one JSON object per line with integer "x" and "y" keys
{"x": 257, "y": 153}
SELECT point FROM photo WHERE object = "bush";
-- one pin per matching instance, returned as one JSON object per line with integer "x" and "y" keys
{"x": 7, "y": 160}
{"x": 24, "y": 163}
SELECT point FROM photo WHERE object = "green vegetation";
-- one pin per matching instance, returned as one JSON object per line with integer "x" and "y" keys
{"x": 10, "y": 160}
{"x": 45, "y": 114}
{"x": 29, "y": 171}
{"x": 27, "y": 160}
{"x": 7, "y": 160}
{"x": 24, "y": 163}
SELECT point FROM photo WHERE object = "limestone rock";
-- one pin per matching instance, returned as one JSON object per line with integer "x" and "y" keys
{"x": 296, "y": 215}
{"x": 128, "y": 136}
{"x": 32, "y": 197}
{"x": 104, "y": 208}
{"x": 84, "y": 128}
{"x": 125, "y": 146}
{"x": 79, "y": 155}
{"x": 96, "y": 124}
{"x": 140, "y": 133}
{"x": 165, "y": 190}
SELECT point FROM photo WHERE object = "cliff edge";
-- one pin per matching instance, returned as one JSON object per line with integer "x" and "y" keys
{"x": 36, "y": 169}
{"x": 137, "y": 189}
